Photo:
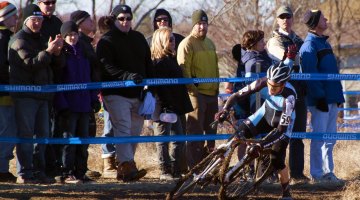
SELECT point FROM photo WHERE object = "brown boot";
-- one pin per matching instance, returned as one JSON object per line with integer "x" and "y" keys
{"x": 110, "y": 170}
{"x": 127, "y": 171}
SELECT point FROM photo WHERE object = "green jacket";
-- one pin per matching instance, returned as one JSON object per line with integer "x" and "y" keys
{"x": 197, "y": 57}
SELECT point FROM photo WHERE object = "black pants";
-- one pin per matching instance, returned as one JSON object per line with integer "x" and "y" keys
{"x": 296, "y": 153}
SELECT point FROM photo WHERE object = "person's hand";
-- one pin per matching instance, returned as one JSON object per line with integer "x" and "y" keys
{"x": 291, "y": 52}
{"x": 322, "y": 105}
{"x": 222, "y": 116}
{"x": 137, "y": 78}
{"x": 59, "y": 41}
{"x": 96, "y": 106}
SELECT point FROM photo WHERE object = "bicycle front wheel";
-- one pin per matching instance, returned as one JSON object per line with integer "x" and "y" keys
{"x": 202, "y": 174}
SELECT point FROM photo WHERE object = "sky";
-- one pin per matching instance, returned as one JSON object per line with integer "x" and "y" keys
{"x": 178, "y": 8}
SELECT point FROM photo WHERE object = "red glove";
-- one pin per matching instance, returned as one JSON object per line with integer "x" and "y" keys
{"x": 291, "y": 51}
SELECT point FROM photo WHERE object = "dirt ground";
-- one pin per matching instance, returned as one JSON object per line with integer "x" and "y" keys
{"x": 153, "y": 189}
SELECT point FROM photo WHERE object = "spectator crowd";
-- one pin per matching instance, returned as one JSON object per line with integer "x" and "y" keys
{"x": 48, "y": 51}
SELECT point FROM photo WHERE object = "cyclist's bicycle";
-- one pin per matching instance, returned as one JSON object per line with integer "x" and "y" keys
{"x": 205, "y": 172}
{"x": 214, "y": 168}
{"x": 247, "y": 174}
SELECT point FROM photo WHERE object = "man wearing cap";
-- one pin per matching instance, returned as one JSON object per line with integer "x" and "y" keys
{"x": 197, "y": 57}
{"x": 277, "y": 45}
{"x": 32, "y": 63}
{"x": 86, "y": 30}
{"x": 124, "y": 55}
{"x": 323, "y": 97}
{"x": 8, "y": 19}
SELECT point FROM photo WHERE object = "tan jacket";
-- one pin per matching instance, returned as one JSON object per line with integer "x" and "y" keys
{"x": 197, "y": 57}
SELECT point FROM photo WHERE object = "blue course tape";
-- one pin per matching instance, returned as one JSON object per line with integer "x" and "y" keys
{"x": 147, "y": 139}
{"x": 150, "y": 82}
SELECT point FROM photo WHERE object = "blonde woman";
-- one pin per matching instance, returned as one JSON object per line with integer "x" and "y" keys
{"x": 171, "y": 99}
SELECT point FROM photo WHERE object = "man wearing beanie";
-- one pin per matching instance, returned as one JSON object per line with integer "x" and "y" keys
{"x": 162, "y": 18}
{"x": 86, "y": 32}
{"x": 32, "y": 63}
{"x": 323, "y": 97}
{"x": 198, "y": 59}
{"x": 277, "y": 45}
{"x": 8, "y": 19}
{"x": 124, "y": 55}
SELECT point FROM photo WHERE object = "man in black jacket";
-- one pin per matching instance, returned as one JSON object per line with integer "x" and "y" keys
{"x": 8, "y": 20}
{"x": 32, "y": 63}
{"x": 124, "y": 55}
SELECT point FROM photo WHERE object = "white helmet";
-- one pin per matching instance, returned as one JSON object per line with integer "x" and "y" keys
{"x": 279, "y": 73}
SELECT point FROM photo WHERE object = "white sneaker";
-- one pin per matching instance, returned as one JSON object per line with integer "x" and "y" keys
{"x": 166, "y": 177}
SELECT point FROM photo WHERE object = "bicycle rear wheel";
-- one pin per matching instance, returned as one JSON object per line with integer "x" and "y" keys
{"x": 246, "y": 178}
{"x": 197, "y": 176}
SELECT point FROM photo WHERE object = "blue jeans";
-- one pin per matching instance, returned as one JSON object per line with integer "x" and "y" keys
{"x": 125, "y": 121}
{"x": 75, "y": 157}
{"x": 7, "y": 129}
{"x": 169, "y": 157}
{"x": 32, "y": 118}
{"x": 321, "y": 151}
{"x": 108, "y": 150}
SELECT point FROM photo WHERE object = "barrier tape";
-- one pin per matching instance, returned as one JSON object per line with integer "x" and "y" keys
{"x": 147, "y": 139}
{"x": 169, "y": 81}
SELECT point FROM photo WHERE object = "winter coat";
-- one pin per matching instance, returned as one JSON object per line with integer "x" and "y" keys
{"x": 30, "y": 64}
{"x": 122, "y": 54}
{"x": 311, "y": 63}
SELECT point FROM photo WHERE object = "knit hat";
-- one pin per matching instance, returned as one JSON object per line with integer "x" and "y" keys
{"x": 79, "y": 16}
{"x": 121, "y": 9}
{"x": 311, "y": 18}
{"x": 31, "y": 10}
{"x": 159, "y": 12}
{"x": 198, "y": 16}
{"x": 6, "y": 10}
{"x": 68, "y": 27}
{"x": 284, "y": 10}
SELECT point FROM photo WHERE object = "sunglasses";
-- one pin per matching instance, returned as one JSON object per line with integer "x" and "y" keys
{"x": 285, "y": 16}
{"x": 49, "y": 2}
{"x": 165, "y": 19}
{"x": 275, "y": 86}
{"x": 124, "y": 18}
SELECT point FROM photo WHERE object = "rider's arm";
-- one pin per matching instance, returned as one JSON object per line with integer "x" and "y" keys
{"x": 285, "y": 120}
{"x": 253, "y": 87}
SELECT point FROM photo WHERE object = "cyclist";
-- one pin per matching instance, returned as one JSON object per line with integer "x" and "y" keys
{"x": 276, "y": 116}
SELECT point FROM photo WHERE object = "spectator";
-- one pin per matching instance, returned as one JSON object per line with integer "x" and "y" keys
{"x": 277, "y": 45}
{"x": 197, "y": 57}
{"x": 32, "y": 63}
{"x": 86, "y": 30}
{"x": 125, "y": 55}
{"x": 51, "y": 23}
{"x": 323, "y": 97}
{"x": 50, "y": 28}
{"x": 108, "y": 150}
{"x": 253, "y": 42}
{"x": 74, "y": 107}
{"x": 8, "y": 18}
{"x": 163, "y": 19}
{"x": 171, "y": 99}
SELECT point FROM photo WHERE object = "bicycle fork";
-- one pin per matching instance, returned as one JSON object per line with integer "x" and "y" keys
{"x": 235, "y": 168}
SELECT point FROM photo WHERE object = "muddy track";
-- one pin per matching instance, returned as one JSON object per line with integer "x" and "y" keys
{"x": 153, "y": 189}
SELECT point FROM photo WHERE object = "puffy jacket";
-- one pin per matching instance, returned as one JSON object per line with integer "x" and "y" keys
{"x": 4, "y": 63}
{"x": 250, "y": 58}
{"x": 197, "y": 57}
{"x": 310, "y": 63}
{"x": 30, "y": 64}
